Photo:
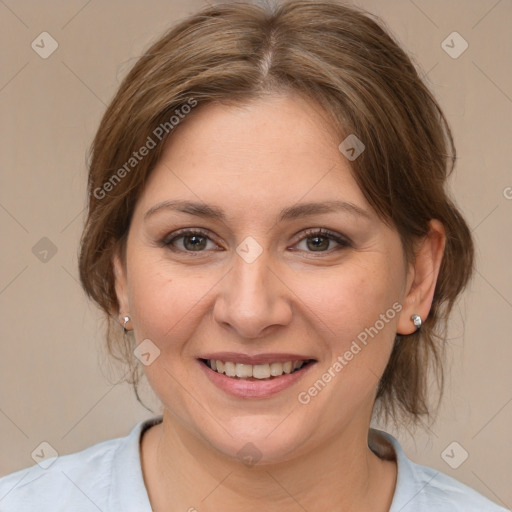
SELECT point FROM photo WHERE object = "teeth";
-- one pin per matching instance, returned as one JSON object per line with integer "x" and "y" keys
{"x": 229, "y": 369}
{"x": 257, "y": 371}
{"x": 261, "y": 371}
{"x": 276, "y": 369}
{"x": 244, "y": 370}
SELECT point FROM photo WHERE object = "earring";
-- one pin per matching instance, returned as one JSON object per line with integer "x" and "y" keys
{"x": 126, "y": 319}
{"x": 416, "y": 319}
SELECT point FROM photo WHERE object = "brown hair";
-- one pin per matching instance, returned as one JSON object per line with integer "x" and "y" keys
{"x": 335, "y": 55}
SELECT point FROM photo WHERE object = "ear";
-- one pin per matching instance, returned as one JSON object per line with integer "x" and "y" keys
{"x": 422, "y": 277}
{"x": 121, "y": 284}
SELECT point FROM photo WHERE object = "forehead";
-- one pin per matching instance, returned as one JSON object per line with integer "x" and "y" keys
{"x": 275, "y": 150}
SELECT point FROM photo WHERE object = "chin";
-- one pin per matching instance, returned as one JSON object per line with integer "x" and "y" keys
{"x": 257, "y": 441}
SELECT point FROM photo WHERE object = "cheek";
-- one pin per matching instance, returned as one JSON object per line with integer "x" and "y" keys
{"x": 358, "y": 307}
{"x": 163, "y": 301}
{"x": 167, "y": 305}
{"x": 352, "y": 298}
{"x": 342, "y": 301}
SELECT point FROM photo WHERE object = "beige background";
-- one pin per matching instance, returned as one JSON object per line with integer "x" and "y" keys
{"x": 53, "y": 383}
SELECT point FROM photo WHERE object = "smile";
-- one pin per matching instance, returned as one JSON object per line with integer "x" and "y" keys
{"x": 256, "y": 371}
{"x": 254, "y": 381}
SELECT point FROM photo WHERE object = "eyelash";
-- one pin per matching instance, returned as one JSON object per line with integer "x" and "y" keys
{"x": 309, "y": 233}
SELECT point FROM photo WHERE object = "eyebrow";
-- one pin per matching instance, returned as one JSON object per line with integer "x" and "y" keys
{"x": 289, "y": 213}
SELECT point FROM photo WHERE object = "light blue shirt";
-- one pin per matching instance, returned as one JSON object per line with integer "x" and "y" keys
{"x": 107, "y": 477}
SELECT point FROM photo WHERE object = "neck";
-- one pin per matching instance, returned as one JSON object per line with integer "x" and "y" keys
{"x": 182, "y": 472}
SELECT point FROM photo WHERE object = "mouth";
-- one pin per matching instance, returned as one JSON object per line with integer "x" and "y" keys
{"x": 256, "y": 372}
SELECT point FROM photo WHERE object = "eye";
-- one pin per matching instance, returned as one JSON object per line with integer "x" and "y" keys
{"x": 318, "y": 240}
{"x": 192, "y": 241}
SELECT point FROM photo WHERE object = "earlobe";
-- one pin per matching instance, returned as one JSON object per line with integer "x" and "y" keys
{"x": 422, "y": 279}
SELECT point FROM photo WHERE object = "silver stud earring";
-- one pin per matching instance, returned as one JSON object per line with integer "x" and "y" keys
{"x": 126, "y": 319}
{"x": 416, "y": 319}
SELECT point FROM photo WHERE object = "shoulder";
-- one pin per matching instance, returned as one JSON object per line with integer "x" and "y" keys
{"x": 450, "y": 494}
{"x": 421, "y": 489}
{"x": 81, "y": 481}
{"x": 78, "y": 477}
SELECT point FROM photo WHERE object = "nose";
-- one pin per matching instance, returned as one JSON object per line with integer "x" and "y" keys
{"x": 252, "y": 299}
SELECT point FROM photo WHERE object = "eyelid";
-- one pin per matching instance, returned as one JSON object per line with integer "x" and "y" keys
{"x": 186, "y": 231}
{"x": 331, "y": 235}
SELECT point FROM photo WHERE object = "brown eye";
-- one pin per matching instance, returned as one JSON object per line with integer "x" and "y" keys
{"x": 320, "y": 240}
{"x": 191, "y": 241}
{"x": 194, "y": 242}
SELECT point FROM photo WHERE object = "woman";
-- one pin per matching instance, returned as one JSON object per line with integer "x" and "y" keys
{"x": 269, "y": 235}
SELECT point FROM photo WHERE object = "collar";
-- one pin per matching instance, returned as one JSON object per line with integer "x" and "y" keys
{"x": 128, "y": 492}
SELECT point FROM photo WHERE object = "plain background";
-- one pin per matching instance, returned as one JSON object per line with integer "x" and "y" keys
{"x": 54, "y": 383}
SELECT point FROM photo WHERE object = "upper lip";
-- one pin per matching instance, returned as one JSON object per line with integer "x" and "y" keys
{"x": 237, "y": 357}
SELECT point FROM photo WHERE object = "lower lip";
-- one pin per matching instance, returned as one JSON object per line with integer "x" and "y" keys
{"x": 242, "y": 388}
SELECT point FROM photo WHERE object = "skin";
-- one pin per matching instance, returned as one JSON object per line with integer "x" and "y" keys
{"x": 252, "y": 161}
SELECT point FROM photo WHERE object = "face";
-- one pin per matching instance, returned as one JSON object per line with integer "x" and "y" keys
{"x": 260, "y": 278}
